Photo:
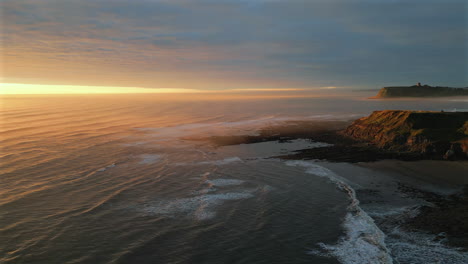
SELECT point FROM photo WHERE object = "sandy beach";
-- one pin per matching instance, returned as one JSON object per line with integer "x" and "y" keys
{"x": 445, "y": 173}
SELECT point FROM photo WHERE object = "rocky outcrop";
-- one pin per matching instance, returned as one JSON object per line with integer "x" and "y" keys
{"x": 438, "y": 134}
{"x": 420, "y": 91}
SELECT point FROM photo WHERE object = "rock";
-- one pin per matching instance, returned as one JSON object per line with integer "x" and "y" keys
{"x": 437, "y": 134}
{"x": 449, "y": 155}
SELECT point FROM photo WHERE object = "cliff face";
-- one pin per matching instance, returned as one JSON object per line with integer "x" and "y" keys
{"x": 429, "y": 133}
{"x": 420, "y": 91}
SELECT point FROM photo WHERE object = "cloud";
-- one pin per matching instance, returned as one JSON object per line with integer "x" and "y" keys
{"x": 235, "y": 44}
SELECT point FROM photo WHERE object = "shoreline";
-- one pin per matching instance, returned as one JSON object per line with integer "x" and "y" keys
{"x": 341, "y": 148}
{"x": 445, "y": 215}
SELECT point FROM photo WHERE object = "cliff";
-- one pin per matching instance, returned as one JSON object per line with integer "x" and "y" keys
{"x": 420, "y": 91}
{"x": 428, "y": 133}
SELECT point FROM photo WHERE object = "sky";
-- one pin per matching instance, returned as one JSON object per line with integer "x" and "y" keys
{"x": 241, "y": 44}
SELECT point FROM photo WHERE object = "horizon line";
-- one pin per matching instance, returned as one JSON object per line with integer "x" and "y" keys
{"x": 58, "y": 89}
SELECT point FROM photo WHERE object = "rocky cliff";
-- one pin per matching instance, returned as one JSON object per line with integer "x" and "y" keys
{"x": 420, "y": 91}
{"x": 429, "y": 133}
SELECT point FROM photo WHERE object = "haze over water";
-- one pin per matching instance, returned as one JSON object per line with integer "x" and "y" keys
{"x": 115, "y": 179}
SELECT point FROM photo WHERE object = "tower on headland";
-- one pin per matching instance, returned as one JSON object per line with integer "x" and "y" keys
{"x": 419, "y": 84}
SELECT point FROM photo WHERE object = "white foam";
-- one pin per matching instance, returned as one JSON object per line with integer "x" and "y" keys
{"x": 106, "y": 168}
{"x": 212, "y": 162}
{"x": 149, "y": 158}
{"x": 204, "y": 191}
{"x": 206, "y": 174}
{"x": 224, "y": 182}
{"x": 310, "y": 167}
{"x": 364, "y": 242}
{"x": 398, "y": 212}
{"x": 221, "y": 162}
{"x": 200, "y": 207}
{"x": 421, "y": 248}
{"x": 318, "y": 170}
{"x": 202, "y": 214}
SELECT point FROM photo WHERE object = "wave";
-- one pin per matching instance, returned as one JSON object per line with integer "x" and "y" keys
{"x": 201, "y": 207}
{"x": 107, "y": 167}
{"x": 221, "y": 162}
{"x": 422, "y": 248}
{"x": 211, "y": 162}
{"x": 149, "y": 158}
{"x": 364, "y": 242}
{"x": 224, "y": 182}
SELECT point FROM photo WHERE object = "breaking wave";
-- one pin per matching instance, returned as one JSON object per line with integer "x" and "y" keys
{"x": 364, "y": 242}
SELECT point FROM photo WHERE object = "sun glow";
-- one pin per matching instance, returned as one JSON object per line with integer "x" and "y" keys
{"x": 19, "y": 88}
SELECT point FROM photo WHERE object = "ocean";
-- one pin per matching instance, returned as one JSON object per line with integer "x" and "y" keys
{"x": 129, "y": 179}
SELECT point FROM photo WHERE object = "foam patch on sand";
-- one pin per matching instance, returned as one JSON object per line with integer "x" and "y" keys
{"x": 364, "y": 242}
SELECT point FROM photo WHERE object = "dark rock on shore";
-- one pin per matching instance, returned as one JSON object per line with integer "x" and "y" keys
{"x": 351, "y": 153}
{"x": 420, "y": 91}
{"x": 403, "y": 135}
{"x": 447, "y": 216}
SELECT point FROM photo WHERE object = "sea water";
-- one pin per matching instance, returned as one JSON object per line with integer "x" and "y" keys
{"x": 119, "y": 179}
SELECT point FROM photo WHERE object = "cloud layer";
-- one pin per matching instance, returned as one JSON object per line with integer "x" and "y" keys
{"x": 235, "y": 44}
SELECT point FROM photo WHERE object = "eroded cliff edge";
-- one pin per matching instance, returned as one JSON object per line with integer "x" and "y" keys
{"x": 432, "y": 134}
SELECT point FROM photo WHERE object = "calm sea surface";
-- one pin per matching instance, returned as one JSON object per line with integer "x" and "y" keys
{"x": 114, "y": 179}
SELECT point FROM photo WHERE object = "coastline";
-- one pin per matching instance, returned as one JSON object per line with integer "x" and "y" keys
{"x": 440, "y": 172}
{"x": 444, "y": 215}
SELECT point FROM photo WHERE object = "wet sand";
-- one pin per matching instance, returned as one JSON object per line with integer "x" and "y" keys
{"x": 446, "y": 215}
{"x": 450, "y": 173}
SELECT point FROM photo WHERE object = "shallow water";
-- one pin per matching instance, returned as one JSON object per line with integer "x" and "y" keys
{"x": 114, "y": 179}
